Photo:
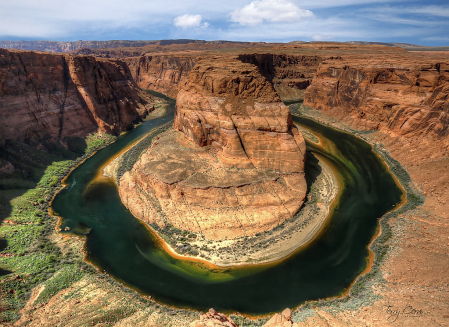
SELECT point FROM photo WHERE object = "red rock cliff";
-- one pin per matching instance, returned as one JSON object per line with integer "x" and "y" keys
{"x": 296, "y": 71}
{"x": 229, "y": 117}
{"x": 231, "y": 106}
{"x": 402, "y": 95}
{"x": 47, "y": 96}
{"x": 161, "y": 73}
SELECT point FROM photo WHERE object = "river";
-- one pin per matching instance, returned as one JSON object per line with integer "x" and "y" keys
{"x": 123, "y": 247}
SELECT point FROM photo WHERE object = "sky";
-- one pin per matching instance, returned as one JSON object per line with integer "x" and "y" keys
{"x": 411, "y": 21}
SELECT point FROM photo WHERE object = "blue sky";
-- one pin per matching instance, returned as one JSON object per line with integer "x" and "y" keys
{"x": 418, "y": 22}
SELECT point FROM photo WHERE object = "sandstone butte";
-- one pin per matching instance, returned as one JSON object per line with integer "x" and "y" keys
{"x": 236, "y": 166}
{"x": 49, "y": 98}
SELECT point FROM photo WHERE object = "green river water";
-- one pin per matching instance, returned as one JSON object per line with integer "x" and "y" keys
{"x": 123, "y": 247}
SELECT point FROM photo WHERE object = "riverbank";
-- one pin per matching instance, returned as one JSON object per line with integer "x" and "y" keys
{"x": 397, "y": 245}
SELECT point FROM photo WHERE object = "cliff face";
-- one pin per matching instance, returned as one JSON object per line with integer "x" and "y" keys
{"x": 50, "y": 97}
{"x": 403, "y": 96}
{"x": 231, "y": 106}
{"x": 288, "y": 73}
{"x": 161, "y": 73}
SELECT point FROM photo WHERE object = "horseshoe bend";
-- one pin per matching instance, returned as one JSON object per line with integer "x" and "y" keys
{"x": 232, "y": 180}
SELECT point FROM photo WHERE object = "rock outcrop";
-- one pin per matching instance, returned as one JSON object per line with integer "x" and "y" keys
{"x": 177, "y": 183}
{"x": 51, "y": 97}
{"x": 403, "y": 95}
{"x": 237, "y": 167}
{"x": 213, "y": 319}
{"x": 281, "y": 320}
{"x": 231, "y": 106}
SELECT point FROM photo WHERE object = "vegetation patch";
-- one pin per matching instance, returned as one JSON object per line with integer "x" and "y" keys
{"x": 27, "y": 255}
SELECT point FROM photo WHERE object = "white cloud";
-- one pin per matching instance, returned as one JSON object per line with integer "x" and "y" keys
{"x": 269, "y": 10}
{"x": 189, "y": 21}
{"x": 369, "y": 20}
{"x": 439, "y": 11}
{"x": 405, "y": 15}
{"x": 321, "y": 37}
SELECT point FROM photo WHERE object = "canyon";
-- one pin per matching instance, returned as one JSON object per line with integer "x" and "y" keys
{"x": 399, "y": 99}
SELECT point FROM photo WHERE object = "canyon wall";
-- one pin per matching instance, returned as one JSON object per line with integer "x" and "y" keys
{"x": 50, "y": 97}
{"x": 403, "y": 95}
{"x": 288, "y": 73}
{"x": 161, "y": 73}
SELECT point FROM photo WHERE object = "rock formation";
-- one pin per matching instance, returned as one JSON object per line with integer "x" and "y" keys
{"x": 51, "y": 97}
{"x": 236, "y": 169}
{"x": 213, "y": 319}
{"x": 231, "y": 106}
{"x": 281, "y": 320}
{"x": 403, "y": 96}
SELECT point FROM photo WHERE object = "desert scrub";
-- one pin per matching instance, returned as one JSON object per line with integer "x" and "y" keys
{"x": 27, "y": 255}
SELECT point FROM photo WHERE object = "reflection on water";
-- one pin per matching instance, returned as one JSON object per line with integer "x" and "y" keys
{"x": 123, "y": 247}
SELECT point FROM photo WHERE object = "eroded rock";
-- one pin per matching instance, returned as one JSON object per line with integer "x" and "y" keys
{"x": 213, "y": 319}
{"x": 179, "y": 183}
{"x": 402, "y": 95}
{"x": 231, "y": 106}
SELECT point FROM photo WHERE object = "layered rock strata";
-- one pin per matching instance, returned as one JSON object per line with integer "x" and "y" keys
{"x": 289, "y": 73}
{"x": 213, "y": 318}
{"x": 51, "y": 97}
{"x": 404, "y": 96}
{"x": 178, "y": 183}
{"x": 231, "y": 106}
{"x": 161, "y": 73}
{"x": 236, "y": 168}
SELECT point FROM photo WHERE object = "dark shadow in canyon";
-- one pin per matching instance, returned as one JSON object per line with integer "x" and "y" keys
{"x": 29, "y": 161}
{"x": 311, "y": 169}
